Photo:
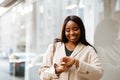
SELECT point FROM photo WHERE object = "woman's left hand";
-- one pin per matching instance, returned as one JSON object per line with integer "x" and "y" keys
{"x": 67, "y": 61}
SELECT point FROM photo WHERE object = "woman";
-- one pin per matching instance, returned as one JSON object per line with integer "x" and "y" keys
{"x": 71, "y": 57}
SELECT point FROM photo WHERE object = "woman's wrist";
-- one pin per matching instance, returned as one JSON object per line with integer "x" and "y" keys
{"x": 57, "y": 73}
{"x": 76, "y": 62}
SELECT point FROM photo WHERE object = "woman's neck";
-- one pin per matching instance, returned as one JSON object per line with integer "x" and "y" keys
{"x": 70, "y": 46}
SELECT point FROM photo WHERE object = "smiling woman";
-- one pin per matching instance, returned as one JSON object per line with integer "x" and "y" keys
{"x": 71, "y": 57}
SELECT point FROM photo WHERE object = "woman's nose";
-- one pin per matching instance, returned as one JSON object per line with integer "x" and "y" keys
{"x": 71, "y": 32}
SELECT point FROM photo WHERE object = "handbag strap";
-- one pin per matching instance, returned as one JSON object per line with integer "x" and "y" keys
{"x": 54, "y": 48}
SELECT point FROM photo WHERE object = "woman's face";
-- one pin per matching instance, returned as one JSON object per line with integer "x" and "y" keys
{"x": 72, "y": 32}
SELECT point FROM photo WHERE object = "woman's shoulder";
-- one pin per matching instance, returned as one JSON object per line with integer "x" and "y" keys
{"x": 56, "y": 44}
{"x": 85, "y": 46}
{"x": 89, "y": 48}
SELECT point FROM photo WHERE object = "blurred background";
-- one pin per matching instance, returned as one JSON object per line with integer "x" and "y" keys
{"x": 27, "y": 27}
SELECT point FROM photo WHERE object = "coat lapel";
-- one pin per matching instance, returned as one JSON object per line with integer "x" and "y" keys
{"x": 60, "y": 52}
{"x": 63, "y": 50}
{"x": 77, "y": 50}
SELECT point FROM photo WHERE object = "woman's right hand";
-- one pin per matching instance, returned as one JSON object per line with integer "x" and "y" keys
{"x": 60, "y": 68}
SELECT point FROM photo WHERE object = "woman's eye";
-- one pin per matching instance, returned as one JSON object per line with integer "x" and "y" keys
{"x": 75, "y": 29}
{"x": 67, "y": 30}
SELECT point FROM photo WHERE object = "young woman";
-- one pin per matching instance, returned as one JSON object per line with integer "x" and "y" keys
{"x": 71, "y": 57}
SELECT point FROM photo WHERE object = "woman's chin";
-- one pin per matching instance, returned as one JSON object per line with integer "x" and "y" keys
{"x": 73, "y": 41}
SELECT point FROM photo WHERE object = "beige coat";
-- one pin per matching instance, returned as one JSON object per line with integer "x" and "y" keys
{"x": 89, "y": 68}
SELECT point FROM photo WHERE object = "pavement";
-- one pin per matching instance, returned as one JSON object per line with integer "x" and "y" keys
{"x": 4, "y": 71}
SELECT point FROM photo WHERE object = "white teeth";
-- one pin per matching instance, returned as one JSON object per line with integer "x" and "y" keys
{"x": 72, "y": 37}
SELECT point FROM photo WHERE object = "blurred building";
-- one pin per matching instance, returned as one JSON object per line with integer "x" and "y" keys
{"x": 30, "y": 25}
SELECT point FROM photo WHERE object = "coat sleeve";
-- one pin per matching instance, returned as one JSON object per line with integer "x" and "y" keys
{"x": 47, "y": 70}
{"x": 92, "y": 70}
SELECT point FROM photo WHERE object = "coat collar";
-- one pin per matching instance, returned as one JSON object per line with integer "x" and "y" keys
{"x": 78, "y": 48}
